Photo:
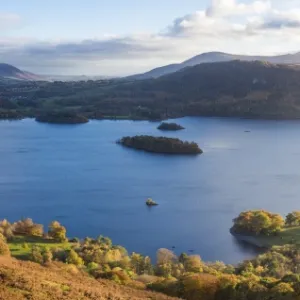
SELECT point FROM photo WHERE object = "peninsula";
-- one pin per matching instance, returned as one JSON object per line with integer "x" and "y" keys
{"x": 265, "y": 230}
{"x": 61, "y": 118}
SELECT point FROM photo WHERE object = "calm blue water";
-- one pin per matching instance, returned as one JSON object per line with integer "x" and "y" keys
{"x": 78, "y": 175}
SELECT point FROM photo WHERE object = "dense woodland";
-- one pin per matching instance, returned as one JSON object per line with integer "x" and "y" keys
{"x": 236, "y": 88}
{"x": 160, "y": 145}
{"x": 272, "y": 275}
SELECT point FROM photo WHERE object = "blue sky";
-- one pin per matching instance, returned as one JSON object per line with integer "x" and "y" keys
{"x": 121, "y": 37}
{"x": 92, "y": 18}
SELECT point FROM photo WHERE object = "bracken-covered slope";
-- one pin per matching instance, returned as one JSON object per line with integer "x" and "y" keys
{"x": 27, "y": 280}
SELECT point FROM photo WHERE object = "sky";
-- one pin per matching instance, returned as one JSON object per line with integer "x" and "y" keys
{"x": 123, "y": 37}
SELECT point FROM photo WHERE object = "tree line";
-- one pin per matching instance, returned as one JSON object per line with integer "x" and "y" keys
{"x": 263, "y": 222}
{"x": 272, "y": 275}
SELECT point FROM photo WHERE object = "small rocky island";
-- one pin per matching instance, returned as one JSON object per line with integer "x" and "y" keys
{"x": 150, "y": 202}
{"x": 160, "y": 145}
{"x": 61, "y": 118}
{"x": 170, "y": 126}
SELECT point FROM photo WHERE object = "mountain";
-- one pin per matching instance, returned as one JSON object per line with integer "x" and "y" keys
{"x": 66, "y": 78}
{"x": 253, "y": 89}
{"x": 11, "y": 72}
{"x": 211, "y": 57}
{"x": 237, "y": 88}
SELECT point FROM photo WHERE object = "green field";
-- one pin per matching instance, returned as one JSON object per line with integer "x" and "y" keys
{"x": 20, "y": 246}
{"x": 289, "y": 235}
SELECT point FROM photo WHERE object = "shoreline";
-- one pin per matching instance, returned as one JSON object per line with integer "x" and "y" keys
{"x": 250, "y": 239}
{"x": 126, "y": 118}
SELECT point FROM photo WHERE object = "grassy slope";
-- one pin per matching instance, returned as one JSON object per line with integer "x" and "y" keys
{"x": 289, "y": 235}
{"x": 18, "y": 250}
{"x": 27, "y": 280}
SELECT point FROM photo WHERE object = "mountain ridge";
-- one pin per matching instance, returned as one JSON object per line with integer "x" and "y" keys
{"x": 212, "y": 57}
{"x": 12, "y": 72}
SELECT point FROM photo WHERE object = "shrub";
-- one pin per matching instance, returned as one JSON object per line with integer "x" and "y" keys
{"x": 74, "y": 259}
{"x": 293, "y": 219}
{"x": 27, "y": 227}
{"x": 4, "y": 249}
{"x": 36, "y": 255}
{"x": 6, "y": 229}
{"x": 47, "y": 256}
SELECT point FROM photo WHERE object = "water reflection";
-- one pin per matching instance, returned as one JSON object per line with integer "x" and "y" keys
{"x": 247, "y": 248}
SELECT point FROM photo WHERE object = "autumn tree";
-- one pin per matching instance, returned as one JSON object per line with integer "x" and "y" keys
{"x": 199, "y": 286}
{"x": 257, "y": 222}
{"x": 105, "y": 242}
{"x": 47, "y": 256}
{"x": 147, "y": 265}
{"x": 57, "y": 231}
{"x": 193, "y": 264}
{"x": 36, "y": 255}
{"x": 165, "y": 260}
{"x": 165, "y": 256}
{"x": 293, "y": 219}
{"x": 282, "y": 291}
{"x": 6, "y": 229}
{"x": 137, "y": 263}
{"x": 28, "y": 227}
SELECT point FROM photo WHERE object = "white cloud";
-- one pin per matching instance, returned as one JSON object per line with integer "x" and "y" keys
{"x": 232, "y": 7}
{"x": 258, "y": 27}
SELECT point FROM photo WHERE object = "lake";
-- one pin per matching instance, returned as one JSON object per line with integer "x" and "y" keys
{"x": 78, "y": 175}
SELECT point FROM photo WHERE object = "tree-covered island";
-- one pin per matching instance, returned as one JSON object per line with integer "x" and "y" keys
{"x": 160, "y": 145}
{"x": 170, "y": 126}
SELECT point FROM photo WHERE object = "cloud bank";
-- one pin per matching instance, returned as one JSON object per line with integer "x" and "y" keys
{"x": 259, "y": 27}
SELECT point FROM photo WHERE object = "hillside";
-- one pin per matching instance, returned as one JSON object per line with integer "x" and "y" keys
{"x": 236, "y": 88}
{"x": 229, "y": 89}
{"x": 27, "y": 280}
{"x": 211, "y": 57}
{"x": 11, "y": 72}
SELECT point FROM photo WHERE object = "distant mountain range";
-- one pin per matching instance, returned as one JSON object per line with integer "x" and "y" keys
{"x": 212, "y": 57}
{"x": 66, "y": 78}
{"x": 10, "y": 72}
